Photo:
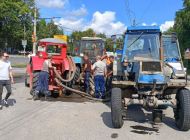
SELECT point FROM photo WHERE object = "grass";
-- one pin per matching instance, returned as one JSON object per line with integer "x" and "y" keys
{"x": 16, "y": 75}
{"x": 19, "y": 65}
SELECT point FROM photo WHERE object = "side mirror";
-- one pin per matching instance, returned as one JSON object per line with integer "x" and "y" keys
{"x": 114, "y": 38}
{"x": 174, "y": 38}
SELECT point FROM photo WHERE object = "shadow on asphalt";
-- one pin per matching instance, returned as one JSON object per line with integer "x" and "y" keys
{"x": 19, "y": 79}
{"x": 71, "y": 98}
{"x": 11, "y": 102}
{"x": 136, "y": 114}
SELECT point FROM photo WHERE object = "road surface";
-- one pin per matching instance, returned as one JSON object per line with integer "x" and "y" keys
{"x": 74, "y": 118}
{"x": 78, "y": 119}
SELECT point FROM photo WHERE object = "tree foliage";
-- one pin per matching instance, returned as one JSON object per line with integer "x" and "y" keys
{"x": 14, "y": 16}
{"x": 182, "y": 25}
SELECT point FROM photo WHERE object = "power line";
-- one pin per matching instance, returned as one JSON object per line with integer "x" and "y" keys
{"x": 129, "y": 12}
{"x": 145, "y": 11}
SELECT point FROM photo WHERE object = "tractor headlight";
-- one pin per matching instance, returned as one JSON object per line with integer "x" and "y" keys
{"x": 40, "y": 55}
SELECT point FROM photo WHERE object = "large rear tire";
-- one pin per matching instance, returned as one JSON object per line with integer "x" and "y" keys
{"x": 116, "y": 108}
{"x": 69, "y": 84}
{"x": 182, "y": 112}
{"x": 26, "y": 80}
{"x": 34, "y": 82}
{"x": 77, "y": 75}
{"x": 92, "y": 86}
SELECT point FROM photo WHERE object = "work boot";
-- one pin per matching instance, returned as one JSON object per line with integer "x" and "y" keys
{"x": 6, "y": 103}
{"x": 36, "y": 95}
{"x": 47, "y": 95}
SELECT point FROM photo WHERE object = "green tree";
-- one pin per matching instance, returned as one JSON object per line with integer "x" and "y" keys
{"x": 11, "y": 22}
{"x": 182, "y": 26}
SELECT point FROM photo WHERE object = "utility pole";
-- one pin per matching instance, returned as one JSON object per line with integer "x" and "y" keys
{"x": 24, "y": 42}
{"x": 34, "y": 33}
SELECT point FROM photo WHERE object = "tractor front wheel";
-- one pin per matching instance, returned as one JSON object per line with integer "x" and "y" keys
{"x": 182, "y": 111}
{"x": 116, "y": 108}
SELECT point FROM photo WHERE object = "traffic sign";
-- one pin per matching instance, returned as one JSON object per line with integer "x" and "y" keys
{"x": 24, "y": 42}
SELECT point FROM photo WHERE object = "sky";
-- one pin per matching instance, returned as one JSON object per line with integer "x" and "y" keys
{"x": 109, "y": 16}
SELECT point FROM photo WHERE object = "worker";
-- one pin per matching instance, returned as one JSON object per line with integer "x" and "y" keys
{"x": 87, "y": 73}
{"x": 105, "y": 58}
{"x": 6, "y": 77}
{"x": 43, "y": 80}
{"x": 109, "y": 74}
{"x": 99, "y": 69}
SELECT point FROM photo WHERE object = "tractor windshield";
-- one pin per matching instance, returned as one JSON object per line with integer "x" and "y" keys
{"x": 171, "y": 52}
{"x": 92, "y": 47}
{"x": 142, "y": 46}
{"x": 53, "y": 49}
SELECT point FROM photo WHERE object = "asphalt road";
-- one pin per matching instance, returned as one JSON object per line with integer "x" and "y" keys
{"x": 18, "y": 59}
{"x": 75, "y": 118}
{"x": 78, "y": 119}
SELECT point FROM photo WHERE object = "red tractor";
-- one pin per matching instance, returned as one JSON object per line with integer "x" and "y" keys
{"x": 65, "y": 67}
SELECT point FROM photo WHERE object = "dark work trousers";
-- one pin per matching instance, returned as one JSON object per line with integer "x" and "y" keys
{"x": 109, "y": 83}
{"x": 87, "y": 82}
{"x": 43, "y": 83}
{"x": 7, "y": 85}
{"x": 99, "y": 86}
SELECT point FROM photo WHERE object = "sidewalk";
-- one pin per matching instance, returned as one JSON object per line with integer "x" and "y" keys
{"x": 19, "y": 70}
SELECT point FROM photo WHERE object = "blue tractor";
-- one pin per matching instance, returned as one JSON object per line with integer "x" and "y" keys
{"x": 92, "y": 46}
{"x": 147, "y": 74}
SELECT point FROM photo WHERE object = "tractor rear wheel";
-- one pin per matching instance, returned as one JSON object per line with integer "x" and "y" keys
{"x": 92, "y": 86}
{"x": 182, "y": 111}
{"x": 34, "y": 82}
{"x": 116, "y": 108}
{"x": 77, "y": 75}
{"x": 68, "y": 84}
{"x": 27, "y": 78}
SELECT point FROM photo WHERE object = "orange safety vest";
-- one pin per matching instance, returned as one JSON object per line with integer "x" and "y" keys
{"x": 108, "y": 61}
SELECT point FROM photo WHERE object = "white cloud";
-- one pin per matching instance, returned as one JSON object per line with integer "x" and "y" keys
{"x": 154, "y": 24}
{"x": 69, "y": 24}
{"x": 144, "y": 24}
{"x": 82, "y": 11}
{"x": 52, "y": 3}
{"x": 106, "y": 23}
{"x": 164, "y": 27}
{"x": 100, "y": 23}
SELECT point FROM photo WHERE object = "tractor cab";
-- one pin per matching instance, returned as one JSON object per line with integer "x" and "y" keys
{"x": 52, "y": 46}
{"x": 172, "y": 57}
{"x": 57, "y": 50}
{"x": 92, "y": 46}
{"x": 141, "y": 60}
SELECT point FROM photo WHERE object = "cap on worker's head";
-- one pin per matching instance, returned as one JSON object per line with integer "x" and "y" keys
{"x": 98, "y": 57}
{"x": 111, "y": 56}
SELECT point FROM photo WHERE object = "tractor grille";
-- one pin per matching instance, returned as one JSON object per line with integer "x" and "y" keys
{"x": 151, "y": 66}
